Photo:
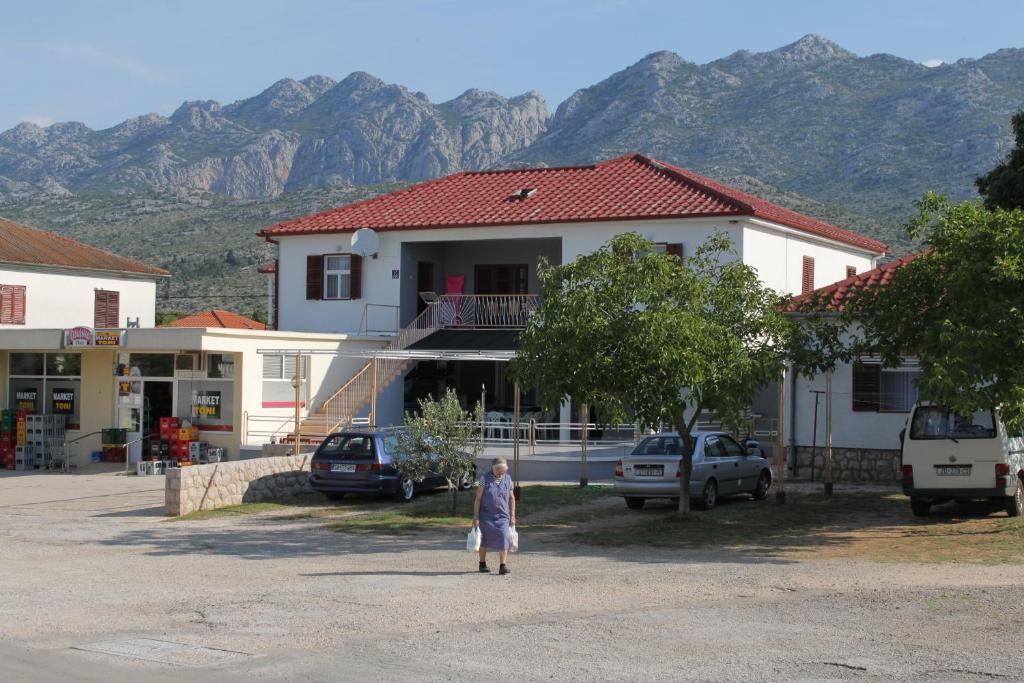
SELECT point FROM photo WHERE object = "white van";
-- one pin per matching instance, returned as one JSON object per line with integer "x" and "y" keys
{"x": 951, "y": 456}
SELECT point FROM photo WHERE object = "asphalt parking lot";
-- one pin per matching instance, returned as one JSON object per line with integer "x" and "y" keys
{"x": 98, "y": 585}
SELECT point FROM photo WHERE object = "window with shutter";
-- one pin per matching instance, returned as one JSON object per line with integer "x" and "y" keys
{"x": 675, "y": 250}
{"x": 356, "y": 285}
{"x": 12, "y": 304}
{"x": 866, "y": 386}
{"x": 315, "y": 276}
{"x": 107, "y": 309}
{"x": 807, "y": 285}
{"x": 851, "y": 271}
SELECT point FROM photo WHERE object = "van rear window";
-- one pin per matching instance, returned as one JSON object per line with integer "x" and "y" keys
{"x": 933, "y": 422}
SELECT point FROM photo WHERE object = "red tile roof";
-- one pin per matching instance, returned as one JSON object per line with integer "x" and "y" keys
{"x": 20, "y": 244}
{"x": 629, "y": 187}
{"x": 834, "y": 297}
{"x": 218, "y": 318}
{"x": 268, "y": 267}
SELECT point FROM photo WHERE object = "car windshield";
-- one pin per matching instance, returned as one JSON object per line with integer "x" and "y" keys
{"x": 933, "y": 422}
{"x": 347, "y": 447}
{"x": 658, "y": 445}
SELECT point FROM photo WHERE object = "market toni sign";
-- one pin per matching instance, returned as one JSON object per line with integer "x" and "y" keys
{"x": 62, "y": 401}
{"x": 86, "y": 336}
{"x": 25, "y": 399}
{"x": 206, "y": 404}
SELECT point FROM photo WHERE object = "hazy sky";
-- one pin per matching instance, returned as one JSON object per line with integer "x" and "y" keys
{"x": 100, "y": 62}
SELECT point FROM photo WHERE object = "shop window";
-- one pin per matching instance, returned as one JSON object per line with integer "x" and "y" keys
{"x": 207, "y": 403}
{"x": 278, "y": 371}
{"x": 153, "y": 364}
{"x": 47, "y": 384}
{"x": 220, "y": 365}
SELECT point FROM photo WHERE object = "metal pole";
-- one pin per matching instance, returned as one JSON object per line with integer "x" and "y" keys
{"x": 298, "y": 403}
{"x": 515, "y": 440}
{"x": 373, "y": 395}
{"x": 483, "y": 411}
{"x": 780, "y": 458}
{"x": 828, "y": 433}
{"x": 585, "y": 420}
{"x": 814, "y": 434}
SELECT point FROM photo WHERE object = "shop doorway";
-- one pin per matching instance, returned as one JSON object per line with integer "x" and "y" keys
{"x": 157, "y": 402}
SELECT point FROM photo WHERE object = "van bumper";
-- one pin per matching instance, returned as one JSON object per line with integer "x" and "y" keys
{"x": 960, "y": 493}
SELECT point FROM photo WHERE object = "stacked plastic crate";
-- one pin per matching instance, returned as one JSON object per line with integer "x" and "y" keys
{"x": 114, "y": 449}
{"x": 8, "y": 439}
{"x": 45, "y": 434}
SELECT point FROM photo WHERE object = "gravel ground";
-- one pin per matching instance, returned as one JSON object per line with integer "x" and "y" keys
{"x": 314, "y": 605}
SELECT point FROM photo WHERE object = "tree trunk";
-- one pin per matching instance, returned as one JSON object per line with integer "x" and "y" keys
{"x": 453, "y": 492}
{"x": 684, "y": 428}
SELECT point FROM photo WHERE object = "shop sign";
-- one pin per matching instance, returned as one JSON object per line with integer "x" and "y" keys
{"x": 25, "y": 399}
{"x": 86, "y": 336}
{"x": 62, "y": 401}
{"x": 206, "y": 404}
{"x": 107, "y": 338}
{"x": 78, "y": 336}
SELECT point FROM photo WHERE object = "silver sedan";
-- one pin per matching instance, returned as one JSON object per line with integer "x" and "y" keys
{"x": 721, "y": 467}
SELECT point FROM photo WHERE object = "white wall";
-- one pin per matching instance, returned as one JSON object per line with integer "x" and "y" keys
{"x": 767, "y": 250}
{"x": 850, "y": 429}
{"x": 63, "y": 298}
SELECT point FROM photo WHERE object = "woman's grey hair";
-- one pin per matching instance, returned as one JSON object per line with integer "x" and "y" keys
{"x": 499, "y": 462}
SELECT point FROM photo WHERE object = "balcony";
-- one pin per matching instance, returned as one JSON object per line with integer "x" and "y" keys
{"x": 480, "y": 311}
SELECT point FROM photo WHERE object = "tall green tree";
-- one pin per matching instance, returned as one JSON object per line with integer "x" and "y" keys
{"x": 631, "y": 330}
{"x": 958, "y": 307}
{"x": 444, "y": 439}
{"x": 1003, "y": 186}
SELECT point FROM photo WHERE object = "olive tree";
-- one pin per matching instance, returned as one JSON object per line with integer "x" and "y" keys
{"x": 443, "y": 439}
{"x": 632, "y": 330}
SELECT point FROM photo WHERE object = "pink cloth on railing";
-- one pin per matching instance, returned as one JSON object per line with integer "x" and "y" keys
{"x": 453, "y": 286}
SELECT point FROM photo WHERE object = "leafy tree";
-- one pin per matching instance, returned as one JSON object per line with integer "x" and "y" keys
{"x": 958, "y": 307}
{"x": 1003, "y": 186}
{"x": 167, "y": 317}
{"x": 628, "y": 329}
{"x": 444, "y": 439}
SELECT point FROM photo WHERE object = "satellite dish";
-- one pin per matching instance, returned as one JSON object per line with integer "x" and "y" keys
{"x": 365, "y": 242}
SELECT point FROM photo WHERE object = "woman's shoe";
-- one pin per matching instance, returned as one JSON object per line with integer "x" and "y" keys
{"x": 484, "y": 569}
{"x": 503, "y": 569}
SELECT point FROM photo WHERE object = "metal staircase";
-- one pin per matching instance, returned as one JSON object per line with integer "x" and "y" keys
{"x": 464, "y": 311}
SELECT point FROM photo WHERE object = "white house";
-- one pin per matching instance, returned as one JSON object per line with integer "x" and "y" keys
{"x": 870, "y": 403}
{"x": 455, "y": 272}
{"x": 47, "y": 280}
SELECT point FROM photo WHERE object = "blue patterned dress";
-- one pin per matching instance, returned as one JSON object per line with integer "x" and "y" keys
{"x": 494, "y": 512}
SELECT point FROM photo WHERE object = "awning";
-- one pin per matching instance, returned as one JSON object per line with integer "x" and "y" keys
{"x": 468, "y": 340}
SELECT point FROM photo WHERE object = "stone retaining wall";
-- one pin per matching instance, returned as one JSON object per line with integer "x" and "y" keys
{"x": 851, "y": 464}
{"x": 208, "y": 487}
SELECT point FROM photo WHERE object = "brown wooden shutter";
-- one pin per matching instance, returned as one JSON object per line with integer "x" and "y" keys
{"x": 675, "y": 250}
{"x": 356, "y": 285}
{"x": 6, "y": 305}
{"x": 807, "y": 285}
{"x": 18, "y": 307}
{"x": 851, "y": 271}
{"x": 866, "y": 386}
{"x": 315, "y": 276}
{"x": 107, "y": 309}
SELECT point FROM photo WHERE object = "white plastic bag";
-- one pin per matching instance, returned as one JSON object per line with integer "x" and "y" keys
{"x": 513, "y": 539}
{"x": 473, "y": 539}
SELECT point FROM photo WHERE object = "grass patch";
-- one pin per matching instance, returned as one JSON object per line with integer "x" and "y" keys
{"x": 432, "y": 511}
{"x": 866, "y": 525}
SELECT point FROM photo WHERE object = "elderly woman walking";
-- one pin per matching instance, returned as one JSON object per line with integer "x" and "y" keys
{"x": 493, "y": 511}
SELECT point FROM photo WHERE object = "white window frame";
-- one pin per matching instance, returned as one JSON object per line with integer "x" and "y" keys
{"x": 340, "y": 273}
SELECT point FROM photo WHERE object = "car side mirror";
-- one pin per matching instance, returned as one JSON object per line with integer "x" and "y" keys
{"x": 753, "y": 447}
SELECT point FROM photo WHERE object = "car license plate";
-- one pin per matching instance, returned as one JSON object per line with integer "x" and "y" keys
{"x": 953, "y": 471}
{"x": 341, "y": 467}
{"x": 649, "y": 470}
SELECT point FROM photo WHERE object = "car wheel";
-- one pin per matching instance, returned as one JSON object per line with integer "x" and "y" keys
{"x": 406, "y": 490}
{"x": 335, "y": 496}
{"x": 709, "y": 496}
{"x": 467, "y": 481}
{"x": 764, "y": 482}
{"x": 920, "y": 507}
{"x": 635, "y": 503}
{"x": 1015, "y": 503}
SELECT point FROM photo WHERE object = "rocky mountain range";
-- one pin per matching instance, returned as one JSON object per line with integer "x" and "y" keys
{"x": 866, "y": 133}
